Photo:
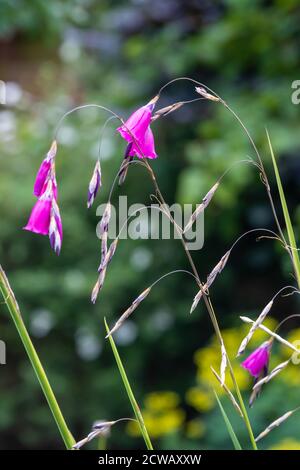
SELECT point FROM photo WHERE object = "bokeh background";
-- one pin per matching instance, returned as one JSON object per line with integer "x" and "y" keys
{"x": 60, "y": 54}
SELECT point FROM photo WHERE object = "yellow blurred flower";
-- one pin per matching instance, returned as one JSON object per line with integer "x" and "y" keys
{"x": 158, "y": 401}
{"x": 287, "y": 444}
{"x": 294, "y": 338}
{"x": 159, "y": 424}
{"x": 195, "y": 429}
{"x": 291, "y": 374}
{"x": 200, "y": 399}
{"x": 161, "y": 414}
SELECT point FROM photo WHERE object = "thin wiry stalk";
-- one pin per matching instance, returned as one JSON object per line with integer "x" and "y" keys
{"x": 207, "y": 300}
{"x": 140, "y": 299}
{"x": 264, "y": 176}
{"x": 262, "y": 168}
{"x": 134, "y": 404}
{"x": 210, "y": 310}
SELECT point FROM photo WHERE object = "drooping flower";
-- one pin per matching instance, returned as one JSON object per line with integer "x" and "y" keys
{"x": 258, "y": 361}
{"x": 45, "y": 217}
{"x": 39, "y": 219}
{"x": 145, "y": 147}
{"x": 136, "y": 130}
{"x": 44, "y": 171}
{"x": 94, "y": 184}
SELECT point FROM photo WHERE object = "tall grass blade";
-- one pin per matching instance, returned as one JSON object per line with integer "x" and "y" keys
{"x": 12, "y": 305}
{"x": 129, "y": 391}
{"x": 287, "y": 218}
{"x": 231, "y": 432}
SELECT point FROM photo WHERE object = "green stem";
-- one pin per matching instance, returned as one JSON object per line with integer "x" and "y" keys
{"x": 129, "y": 391}
{"x": 209, "y": 307}
{"x": 287, "y": 218}
{"x": 243, "y": 408}
{"x": 14, "y": 311}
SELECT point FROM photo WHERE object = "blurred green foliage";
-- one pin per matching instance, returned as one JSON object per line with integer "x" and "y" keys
{"x": 59, "y": 54}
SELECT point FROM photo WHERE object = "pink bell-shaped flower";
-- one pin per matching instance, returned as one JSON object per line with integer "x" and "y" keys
{"x": 136, "y": 130}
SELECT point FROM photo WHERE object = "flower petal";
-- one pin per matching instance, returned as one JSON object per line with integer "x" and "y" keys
{"x": 39, "y": 219}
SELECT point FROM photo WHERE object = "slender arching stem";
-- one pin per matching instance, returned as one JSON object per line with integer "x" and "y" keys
{"x": 296, "y": 315}
{"x": 210, "y": 310}
{"x": 275, "y": 236}
{"x": 102, "y": 130}
{"x": 265, "y": 176}
{"x": 261, "y": 165}
{"x": 126, "y": 165}
{"x": 84, "y": 106}
{"x": 196, "y": 82}
{"x": 206, "y": 297}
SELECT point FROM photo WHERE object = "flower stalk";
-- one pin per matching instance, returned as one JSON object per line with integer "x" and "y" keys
{"x": 129, "y": 391}
{"x": 12, "y": 305}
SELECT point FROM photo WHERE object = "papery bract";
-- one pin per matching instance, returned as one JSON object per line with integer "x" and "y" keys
{"x": 55, "y": 228}
{"x": 44, "y": 171}
{"x": 94, "y": 184}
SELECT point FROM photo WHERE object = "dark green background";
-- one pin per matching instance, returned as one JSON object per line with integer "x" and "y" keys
{"x": 59, "y": 54}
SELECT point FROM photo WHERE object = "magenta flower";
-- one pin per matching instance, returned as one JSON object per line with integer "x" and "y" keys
{"x": 39, "y": 219}
{"x": 258, "y": 361}
{"x": 136, "y": 130}
{"x": 45, "y": 217}
{"x": 145, "y": 147}
{"x": 44, "y": 171}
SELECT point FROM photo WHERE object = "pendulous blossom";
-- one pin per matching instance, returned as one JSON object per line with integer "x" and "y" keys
{"x": 94, "y": 184}
{"x": 136, "y": 130}
{"x": 39, "y": 219}
{"x": 258, "y": 361}
{"x": 45, "y": 217}
{"x": 44, "y": 171}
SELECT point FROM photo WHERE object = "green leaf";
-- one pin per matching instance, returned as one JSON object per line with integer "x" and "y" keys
{"x": 287, "y": 218}
{"x": 135, "y": 406}
{"x": 231, "y": 432}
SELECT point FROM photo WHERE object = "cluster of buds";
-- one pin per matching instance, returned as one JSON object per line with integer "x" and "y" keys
{"x": 107, "y": 253}
{"x": 45, "y": 216}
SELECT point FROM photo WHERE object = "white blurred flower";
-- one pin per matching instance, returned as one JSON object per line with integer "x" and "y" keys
{"x": 161, "y": 320}
{"x": 7, "y": 125}
{"x": 88, "y": 345}
{"x": 74, "y": 280}
{"x": 68, "y": 135}
{"x": 70, "y": 50}
{"x": 41, "y": 322}
{"x": 141, "y": 258}
{"x": 14, "y": 93}
{"x": 126, "y": 334}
